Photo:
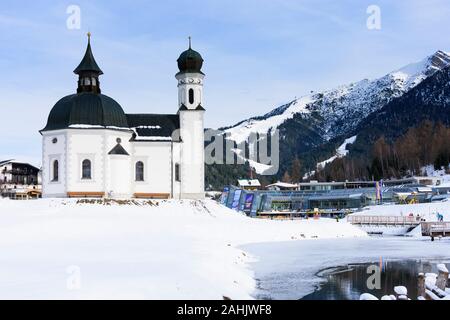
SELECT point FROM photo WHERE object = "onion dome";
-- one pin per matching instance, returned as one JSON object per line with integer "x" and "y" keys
{"x": 190, "y": 61}
{"x": 86, "y": 110}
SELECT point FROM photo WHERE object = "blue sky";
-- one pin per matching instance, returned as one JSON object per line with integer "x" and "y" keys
{"x": 258, "y": 54}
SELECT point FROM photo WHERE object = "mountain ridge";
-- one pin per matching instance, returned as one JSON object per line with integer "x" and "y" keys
{"x": 333, "y": 113}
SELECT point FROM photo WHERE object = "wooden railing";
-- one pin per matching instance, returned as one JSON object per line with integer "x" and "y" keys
{"x": 382, "y": 220}
{"x": 435, "y": 229}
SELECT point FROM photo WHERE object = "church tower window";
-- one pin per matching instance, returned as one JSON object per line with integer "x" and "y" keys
{"x": 177, "y": 172}
{"x": 139, "y": 171}
{"x": 55, "y": 171}
{"x": 86, "y": 170}
{"x": 191, "y": 96}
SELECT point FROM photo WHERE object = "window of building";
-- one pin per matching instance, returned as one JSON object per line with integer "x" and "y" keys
{"x": 55, "y": 171}
{"x": 177, "y": 172}
{"x": 191, "y": 96}
{"x": 139, "y": 171}
{"x": 86, "y": 170}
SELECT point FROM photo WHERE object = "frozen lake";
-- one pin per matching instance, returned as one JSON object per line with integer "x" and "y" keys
{"x": 290, "y": 270}
{"x": 350, "y": 281}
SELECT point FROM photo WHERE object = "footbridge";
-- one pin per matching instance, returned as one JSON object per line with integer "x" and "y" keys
{"x": 372, "y": 220}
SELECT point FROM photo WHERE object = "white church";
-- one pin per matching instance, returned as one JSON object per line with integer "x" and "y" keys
{"x": 92, "y": 148}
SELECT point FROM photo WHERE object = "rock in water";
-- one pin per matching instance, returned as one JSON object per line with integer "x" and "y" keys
{"x": 367, "y": 296}
{"x": 401, "y": 291}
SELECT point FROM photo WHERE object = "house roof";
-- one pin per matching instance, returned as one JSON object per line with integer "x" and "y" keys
{"x": 12, "y": 161}
{"x": 249, "y": 183}
{"x": 3, "y": 162}
{"x": 283, "y": 185}
{"x": 154, "y": 127}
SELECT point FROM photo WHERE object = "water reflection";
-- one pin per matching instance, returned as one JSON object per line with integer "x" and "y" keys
{"x": 349, "y": 282}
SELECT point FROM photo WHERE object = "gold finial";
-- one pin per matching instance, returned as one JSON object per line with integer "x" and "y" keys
{"x": 190, "y": 42}
{"x": 89, "y": 35}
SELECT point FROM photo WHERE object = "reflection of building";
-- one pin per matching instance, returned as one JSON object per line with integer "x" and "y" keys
{"x": 91, "y": 147}
{"x": 19, "y": 180}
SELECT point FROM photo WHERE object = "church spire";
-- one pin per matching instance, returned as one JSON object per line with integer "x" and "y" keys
{"x": 88, "y": 71}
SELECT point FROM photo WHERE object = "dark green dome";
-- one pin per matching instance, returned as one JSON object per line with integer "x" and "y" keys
{"x": 86, "y": 109}
{"x": 190, "y": 61}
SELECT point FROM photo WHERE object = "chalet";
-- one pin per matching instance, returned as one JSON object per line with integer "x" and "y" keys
{"x": 19, "y": 180}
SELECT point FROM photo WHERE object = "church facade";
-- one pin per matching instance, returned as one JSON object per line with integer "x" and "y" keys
{"x": 91, "y": 147}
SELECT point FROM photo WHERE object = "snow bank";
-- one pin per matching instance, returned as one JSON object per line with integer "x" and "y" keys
{"x": 442, "y": 268}
{"x": 151, "y": 250}
{"x": 425, "y": 210}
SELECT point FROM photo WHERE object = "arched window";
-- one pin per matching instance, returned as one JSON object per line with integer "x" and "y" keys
{"x": 139, "y": 171}
{"x": 55, "y": 171}
{"x": 191, "y": 96}
{"x": 177, "y": 172}
{"x": 86, "y": 172}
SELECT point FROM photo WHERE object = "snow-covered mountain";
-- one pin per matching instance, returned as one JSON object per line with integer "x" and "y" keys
{"x": 338, "y": 111}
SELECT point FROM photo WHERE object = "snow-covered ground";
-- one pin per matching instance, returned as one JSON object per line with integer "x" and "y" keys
{"x": 425, "y": 210}
{"x": 430, "y": 171}
{"x": 154, "y": 250}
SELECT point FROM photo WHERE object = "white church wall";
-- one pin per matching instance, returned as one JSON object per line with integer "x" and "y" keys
{"x": 119, "y": 185}
{"x": 118, "y": 168}
{"x": 157, "y": 159}
{"x": 192, "y": 154}
{"x": 85, "y": 145}
{"x": 176, "y": 160}
{"x": 54, "y": 149}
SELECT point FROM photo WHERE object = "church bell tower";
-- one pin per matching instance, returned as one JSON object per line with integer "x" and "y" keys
{"x": 191, "y": 112}
{"x": 88, "y": 72}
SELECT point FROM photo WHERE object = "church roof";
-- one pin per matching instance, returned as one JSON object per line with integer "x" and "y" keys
{"x": 88, "y": 62}
{"x": 89, "y": 109}
{"x": 118, "y": 150}
{"x": 86, "y": 110}
{"x": 154, "y": 127}
{"x": 190, "y": 61}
